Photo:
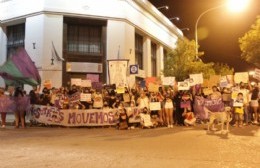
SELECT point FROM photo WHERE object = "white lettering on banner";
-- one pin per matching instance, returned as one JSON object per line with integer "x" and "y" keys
{"x": 75, "y": 118}
{"x": 71, "y": 117}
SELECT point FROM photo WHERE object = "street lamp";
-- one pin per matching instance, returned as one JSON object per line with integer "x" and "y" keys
{"x": 175, "y": 18}
{"x": 233, "y": 5}
{"x": 163, "y": 7}
{"x": 188, "y": 29}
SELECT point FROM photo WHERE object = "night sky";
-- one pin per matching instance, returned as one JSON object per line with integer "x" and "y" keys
{"x": 220, "y": 28}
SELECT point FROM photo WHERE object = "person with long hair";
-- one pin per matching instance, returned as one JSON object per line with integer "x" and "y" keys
{"x": 169, "y": 110}
{"x": 20, "y": 100}
{"x": 255, "y": 94}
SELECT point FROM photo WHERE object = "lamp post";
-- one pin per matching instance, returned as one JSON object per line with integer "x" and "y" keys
{"x": 188, "y": 29}
{"x": 196, "y": 26}
{"x": 233, "y": 5}
{"x": 175, "y": 18}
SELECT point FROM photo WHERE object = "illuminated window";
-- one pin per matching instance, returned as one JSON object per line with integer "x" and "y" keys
{"x": 153, "y": 59}
{"x": 84, "y": 39}
{"x": 15, "y": 38}
{"x": 139, "y": 50}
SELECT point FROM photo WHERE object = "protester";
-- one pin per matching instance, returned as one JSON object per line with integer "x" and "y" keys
{"x": 189, "y": 118}
{"x": 239, "y": 110}
{"x": 254, "y": 103}
{"x": 3, "y": 113}
{"x": 21, "y": 106}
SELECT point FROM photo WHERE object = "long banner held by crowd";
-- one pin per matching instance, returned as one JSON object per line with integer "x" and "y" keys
{"x": 73, "y": 117}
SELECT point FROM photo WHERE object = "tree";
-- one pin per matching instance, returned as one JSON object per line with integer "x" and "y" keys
{"x": 223, "y": 69}
{"x": 182, "y": 61}
{"x": 250, "y": 44}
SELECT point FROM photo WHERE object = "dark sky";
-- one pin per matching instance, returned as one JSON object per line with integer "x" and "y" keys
{"x": 222, "y": 27}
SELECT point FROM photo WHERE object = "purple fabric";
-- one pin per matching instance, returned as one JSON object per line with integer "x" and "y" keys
{"x": 22, "y": 103}
{"x": 6, "y": 104}
{"x": 214, "y": 105}
{"x": 25, "y": 65}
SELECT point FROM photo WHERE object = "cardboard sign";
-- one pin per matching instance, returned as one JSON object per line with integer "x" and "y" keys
{"x": 183, "y": 86}
{"x": 97, "y": 85}
{"x": 168, "y": 81}
{"x": 154, "y": 106}
{"x": 207, "y": 91}
{"x": 197, "y": 79}
{"x": 86, "y": 97}
{"x": 153, "y": 80}
{"x": 223, "y": 81}
{"x": 75, "y": 81}
{"x": 238, "y": 104}
{"x": 153, "y": 87}
{"x": 120, "y": 90}
{"x": 85, "y": 83}
{"x": 47, "y": 84}
{"x": 257, "y": 74}
{"x": 214, "y": 80}
{"x": 241, "y": 77}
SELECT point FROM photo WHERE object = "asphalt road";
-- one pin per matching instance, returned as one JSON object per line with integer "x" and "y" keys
{"x": 180, "y": 147}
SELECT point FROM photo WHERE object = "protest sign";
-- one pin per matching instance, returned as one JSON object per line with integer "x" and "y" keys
{"x": 74, "y": 97}
{"x": 97, "y": 85}
{"x": 120, "y": 90}
{"x": 47, "y": 84}
{"x": 223, "y": 81}
{"x": 86, "y": 97}
{"x": 207, "y": 91}
{"x": 183, "y": 86}
{"x": 205, "y": 83}
{"x": 134, "y": 114}
{"x": 93, "y": 77}
{"x": 75, "y": 81}
{"x": 168, "y": 81}
{"x": 153, "y": 80}
{"x": 241, "y": 77}
{"x": 154, "y": 106}
{"x": 214, "y": 80}
{"x": 196, "y": 78}
{"x": 257, "y": 74}
{"x": 85, "y": 83}
{"x": 230, "y": 79}
{"x": 153, "y": 87}
{"x": 117, "y": 72}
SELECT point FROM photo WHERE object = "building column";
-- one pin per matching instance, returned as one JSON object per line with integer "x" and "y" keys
{"x": 147, "y": 56}
{"x": 160, "y": 60}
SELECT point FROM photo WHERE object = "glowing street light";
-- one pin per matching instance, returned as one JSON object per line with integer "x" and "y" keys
{"x": 163, "y": 7}
{"x": 175, "y": 18}
{"x": 233, "y": 5}
{"x": 237, "y": 5}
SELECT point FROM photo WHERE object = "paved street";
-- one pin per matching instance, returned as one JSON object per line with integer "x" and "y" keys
{"x": 107, "y": 147}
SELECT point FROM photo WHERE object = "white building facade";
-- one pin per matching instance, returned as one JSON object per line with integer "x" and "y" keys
{"x": 86, "y": 33}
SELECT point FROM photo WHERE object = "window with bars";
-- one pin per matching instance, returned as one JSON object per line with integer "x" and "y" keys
{"x": 84, "y": 39}
{"x": 139, "y": 50}
{"x": 15, "y": 38}
{"x": 153, "y": 59}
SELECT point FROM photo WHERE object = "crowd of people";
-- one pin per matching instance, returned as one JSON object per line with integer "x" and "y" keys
{"x": 177, "y": 106}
